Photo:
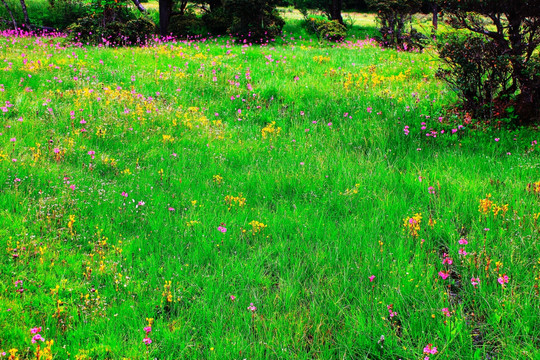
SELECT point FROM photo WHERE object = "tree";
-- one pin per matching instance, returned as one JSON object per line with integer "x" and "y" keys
{"x": 394, "y": 16}
{"x": 512, "y": 37}
{"x": 332, "y": 8}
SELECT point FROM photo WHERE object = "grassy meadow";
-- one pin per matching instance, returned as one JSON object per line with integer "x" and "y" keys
{"x": 296, "y": 200}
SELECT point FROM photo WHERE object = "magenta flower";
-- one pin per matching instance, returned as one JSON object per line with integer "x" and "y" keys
{"x": 13, "y": 139}
{"x": 92, "y": 153}
{"x": 371, "y": 278}
{"x": 444, "y": 274}
{"x": 447, "y": 260}
{"x": 233, "y": 298}
{"x": 463, "y": 241}
{"x": 446, "y": 312}
{"x": 503, "y": 279}
{"x": 462, "y": 252}
{"x": 148, "y": 329}
{"x": 430, "y": 349}
{"x": 222, "y": 229}
{"x": 252, "y": 307}
{"x": 124, "y": 194}
{"x": 37, "y": 338}
{"x": 431, "y": 190}
{"x": 36, "y": 329}
{"x": 391, "y": 311}
{"x": 147, "y": 341}
{"x": 56, "y": 150}
{"x": 475, "y": 282}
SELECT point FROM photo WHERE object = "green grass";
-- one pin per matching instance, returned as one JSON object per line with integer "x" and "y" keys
{"x": 333, "y": 180}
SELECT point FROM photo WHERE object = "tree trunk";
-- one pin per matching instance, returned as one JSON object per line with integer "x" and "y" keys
{"x": 335, "y": 10}
{"x": 165, "y": 10}
{"x": 139, "y": 6}
{"x": 435, "y": 16}
{"x": 10, "y": 14}
{"x": 25, "y": 13}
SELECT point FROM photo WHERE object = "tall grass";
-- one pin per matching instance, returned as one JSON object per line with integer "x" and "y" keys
{"x": 285, "y": 202}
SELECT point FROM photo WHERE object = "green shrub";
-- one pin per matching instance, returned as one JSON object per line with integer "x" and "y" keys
{"x": 217, "y": 21}
{"x": 91, "y": 30}
{"x": 187, "y": 24}
{"x": 324, "y": 28}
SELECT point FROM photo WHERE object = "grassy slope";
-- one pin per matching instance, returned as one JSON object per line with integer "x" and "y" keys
{"x": 334, "y": 187}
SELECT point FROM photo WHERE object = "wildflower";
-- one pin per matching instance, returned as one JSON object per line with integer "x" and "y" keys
{"x": 475, "y": 282}
{"x": 446, "y": 312}
{"x": 233, "y": 297}
{"x": 171, "y": 209}
{"x": 56, "y": 150}
{"x": 462, "y": 252}
{"x": 140, "y": 203}
{"x": 222, "y": 229}
{"x": 431, "y": 190}
{"x": 35, "y": 330}
{"x": 497, "y": 139}
{"x": 447, "y": 260}
{"x": 148, "y": 329}
{"x": 13, "y": 139}
{"x": 391, "y": 311}
{"x": 124, "y": 194}
{"x": 430, "y": 349}
{"x": 503, "y": 279}
{"x": 251, "y": 308}
{"x": 92, "y": 153}
{"x": 463, "y": 241}
{"x": 147, "y": 341}
{"x": 444, "y": 274}
{"x": 371, "y": 278}
{"x": 37, "y": 338}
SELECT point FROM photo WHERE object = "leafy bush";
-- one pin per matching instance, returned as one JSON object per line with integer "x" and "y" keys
{"x": 57, "y": 14}
{"x": 476, "y": 71}
{"x": 254, "y": 20}
{"x": 393, "y": 17}
{"x": 186, "y": 24}
{"x": 91, "y": 30}
{"x": 504, "y": 74}
{"x": 217, "y": 21}
{"x": 324, "y": 28}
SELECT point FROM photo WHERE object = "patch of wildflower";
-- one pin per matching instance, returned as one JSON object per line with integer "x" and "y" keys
{"x": 350, "y": 192}
{"x": 233, "y": 201}
{"x": 411, "y": 225}
{"x": 217, "y": 179}
{"x": 534, "y": 188}
{"x": 257, "y": 227}
{"x": 270, "y": 131}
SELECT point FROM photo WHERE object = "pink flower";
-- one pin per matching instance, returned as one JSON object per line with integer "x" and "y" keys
{"x": 13, "y": 139}
{"x": 148, "y": 329}
{"x": 371, "y": 278}
{"x": 56, "y": 150}
{"x": 171, "y": 209}
{"x": 36, "y": 329}
{"x": 251, "y": 307}
{"x": 431, "y": 190}
{"x": 141, "y": 203}
{"x": 92, "y": 153}
{"x": 233, "y": 298}
{"x": 37, "y": 338}
{"x": 147, "y": 341}
{"x": 430, "y": 349}
{"x": 475, "y": 282}
{"x": 72, "y": 187}
{"x": 444, "y": 274}
{"x": 222, "y": 229}
{"x": 462, "y": 252}
{"x": 503, "y": 279}
{"x": 447, "y": 260}
{"x": 446, "y": 312}
{"x": 463, "y": 241}
{"x": 497, "y": 139}
{"x": 124, "y": 194}
{"x": 391, "y": 312}
{"x": 369, "y": 110}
